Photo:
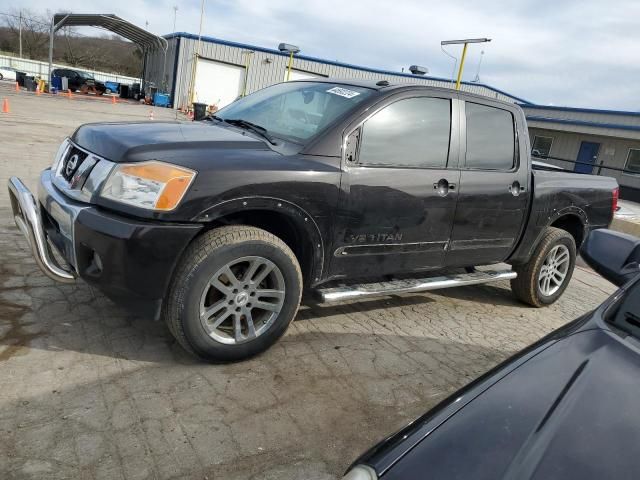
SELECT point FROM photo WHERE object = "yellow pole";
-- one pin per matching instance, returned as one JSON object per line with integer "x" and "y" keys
{"x": 464, "y": 54}
{"x": 290, "y": 65}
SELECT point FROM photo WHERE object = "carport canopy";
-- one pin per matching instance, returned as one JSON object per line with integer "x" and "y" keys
{"x": 113, "y": 23}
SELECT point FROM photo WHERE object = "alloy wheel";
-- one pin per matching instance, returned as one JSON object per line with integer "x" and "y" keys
{"x": 554, "y": 270}
{"x": 242, "y": 300}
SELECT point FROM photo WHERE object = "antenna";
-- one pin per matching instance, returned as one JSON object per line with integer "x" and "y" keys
{"x": 476, "y": 79}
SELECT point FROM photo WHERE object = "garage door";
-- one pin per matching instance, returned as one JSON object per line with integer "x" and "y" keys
{"x": 299, "y": 75}
{"x": 217, "y": 83}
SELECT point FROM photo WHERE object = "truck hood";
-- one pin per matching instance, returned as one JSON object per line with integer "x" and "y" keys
{"x": 570, "y": 412}
{"x": 140, "y": 141}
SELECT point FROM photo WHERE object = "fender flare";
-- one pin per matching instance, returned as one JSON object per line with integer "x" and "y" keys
{"x": 565, "y": 212}
{"x": 300, "y": 217}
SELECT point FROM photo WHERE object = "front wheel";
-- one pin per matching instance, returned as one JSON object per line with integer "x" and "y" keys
{"x": 234, "y": 293}
{"x": 545, "y": 277}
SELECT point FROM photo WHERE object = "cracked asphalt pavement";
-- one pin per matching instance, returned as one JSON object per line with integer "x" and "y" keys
{"x": 90, "y": 391}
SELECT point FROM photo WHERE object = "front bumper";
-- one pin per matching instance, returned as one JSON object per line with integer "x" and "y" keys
{"x": 129, "y": 260}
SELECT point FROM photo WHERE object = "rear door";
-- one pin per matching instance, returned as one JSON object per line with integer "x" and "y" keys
{"x": 587, "y": 157}
{"x": 494, "y": 186}
{"x": 399, "y": 191}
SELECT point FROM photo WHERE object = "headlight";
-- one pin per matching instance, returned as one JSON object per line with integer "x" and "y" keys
{"x": 62, "y": 150}
{"x": 151, "y": 185}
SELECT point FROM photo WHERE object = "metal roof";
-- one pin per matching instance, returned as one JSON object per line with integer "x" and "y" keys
{"x": 112, "y": 23}
{"x": 336, "y": 63}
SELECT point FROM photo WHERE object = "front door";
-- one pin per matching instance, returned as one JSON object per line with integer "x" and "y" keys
{"x": 494, "y": 188}
{"x": 587, "y": 157}
{"x": 398, "y": 194}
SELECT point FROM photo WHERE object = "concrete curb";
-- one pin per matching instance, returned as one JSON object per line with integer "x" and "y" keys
{"x": 626, "y": 226}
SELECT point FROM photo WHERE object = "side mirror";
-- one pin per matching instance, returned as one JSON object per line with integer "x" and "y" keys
{"x": 614, "y": 255}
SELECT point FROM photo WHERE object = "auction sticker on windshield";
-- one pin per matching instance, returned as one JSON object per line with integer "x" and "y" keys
{"x": 343, "y": 92}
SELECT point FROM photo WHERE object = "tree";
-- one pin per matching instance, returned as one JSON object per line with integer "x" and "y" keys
{"x": 35, "y": 32}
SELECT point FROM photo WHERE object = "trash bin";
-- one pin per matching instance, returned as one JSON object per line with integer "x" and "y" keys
{"x": 161, "y": 99}
{"x": 56, "y": 82}
{"x": 124, "y": 91}
{"x": 199, "y": 111}
{"x": 30, "y": 84}
{"x": 20, "y": 78}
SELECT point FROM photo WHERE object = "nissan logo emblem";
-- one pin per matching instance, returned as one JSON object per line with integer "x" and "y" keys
{"x": 72, "y": 163}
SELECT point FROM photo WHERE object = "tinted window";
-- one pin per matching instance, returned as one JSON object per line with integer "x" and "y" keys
{"x": 412, "y": 132}
{"x": 490, "y": 137}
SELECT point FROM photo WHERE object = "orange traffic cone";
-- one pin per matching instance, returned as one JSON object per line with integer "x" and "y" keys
{"x": 38, "y": 90}
{"x": 69, "y": 94}
{"x": 113, "y": 99}
{"x": 151, "y": 114}
{"x": 5, "y": 106}
{"x": 17, "y": 87}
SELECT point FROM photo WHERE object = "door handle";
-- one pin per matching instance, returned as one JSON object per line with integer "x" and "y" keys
{"x": 516, "y": 189}
{"x": 443, "y": 187}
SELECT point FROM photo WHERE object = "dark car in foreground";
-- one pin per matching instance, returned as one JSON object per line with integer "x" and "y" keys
{"x": 565, "y": 408}
{"x": 341, "y": 190}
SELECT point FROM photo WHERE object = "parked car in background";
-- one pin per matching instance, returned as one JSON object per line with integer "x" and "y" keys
{"x": 345, "y": 190}
{"x": 80, "y": 81}
{"x": 565, "y": 408}
{"x": 8, "y": 73}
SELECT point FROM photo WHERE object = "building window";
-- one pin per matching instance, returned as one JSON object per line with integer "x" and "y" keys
{"x": 541, "y": 146}
{"x": 633, "y": 161}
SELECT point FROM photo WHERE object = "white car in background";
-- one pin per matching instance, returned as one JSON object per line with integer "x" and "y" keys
{"x": 7, "y": 73}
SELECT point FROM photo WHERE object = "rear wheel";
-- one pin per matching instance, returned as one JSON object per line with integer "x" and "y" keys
{"x": 234, "y": 293}
{"x": 545, "y": 277}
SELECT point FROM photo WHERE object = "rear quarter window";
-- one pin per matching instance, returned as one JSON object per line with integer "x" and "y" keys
{"x": 490, "y": 138}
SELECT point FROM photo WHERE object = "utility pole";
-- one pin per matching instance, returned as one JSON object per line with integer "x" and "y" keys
{"x": 175, "y": 15}
{"x": 196, "y": 54}
{"x": 20, "y": 32}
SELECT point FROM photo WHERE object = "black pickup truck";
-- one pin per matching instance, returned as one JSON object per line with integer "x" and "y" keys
{"x": 338, "y": 189}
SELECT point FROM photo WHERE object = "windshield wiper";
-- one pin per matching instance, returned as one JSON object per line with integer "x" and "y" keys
{"x": 251, "y": 126}
{"x": 214, "y": 117}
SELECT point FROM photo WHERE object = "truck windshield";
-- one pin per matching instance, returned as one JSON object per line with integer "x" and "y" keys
{"x": 295, "y": 111}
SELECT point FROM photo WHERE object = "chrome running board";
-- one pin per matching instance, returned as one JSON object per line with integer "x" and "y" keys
{"x": 393, "y": 287}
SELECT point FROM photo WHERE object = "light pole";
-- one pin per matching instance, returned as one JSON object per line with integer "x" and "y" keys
{"x": 20, "y": 32}
{"x": 175, "y": 16}
{"x": 196, "y": 54}
{"x": 465, "y": 42}
{"x": 291, "y": 50}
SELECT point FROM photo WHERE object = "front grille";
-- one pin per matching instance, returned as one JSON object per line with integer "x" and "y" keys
{"x": 72, "y": 162}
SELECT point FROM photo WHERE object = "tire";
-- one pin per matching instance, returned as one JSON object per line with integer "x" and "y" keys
{"x": 1, "y": 77}
{"x": 202, "y": 285}
{"x": 529, "y": 286}
{"x": 108, "y": 91}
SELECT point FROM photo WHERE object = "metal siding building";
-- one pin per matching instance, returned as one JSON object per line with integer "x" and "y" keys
{"x": 615, "y": 133}
{"x": 268, "y": 66}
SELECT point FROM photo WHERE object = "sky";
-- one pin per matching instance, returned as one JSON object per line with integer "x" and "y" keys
{"x": 582, "y": 53}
